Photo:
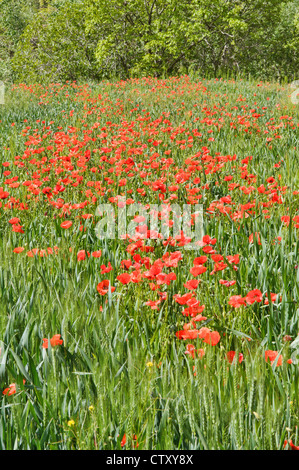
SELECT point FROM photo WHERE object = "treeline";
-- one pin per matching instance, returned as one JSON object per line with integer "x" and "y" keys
{"x": 59, "y": 40}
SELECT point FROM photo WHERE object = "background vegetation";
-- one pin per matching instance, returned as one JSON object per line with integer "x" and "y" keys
{"x": 82, "y": 128}
{"x": 94, "y": 39}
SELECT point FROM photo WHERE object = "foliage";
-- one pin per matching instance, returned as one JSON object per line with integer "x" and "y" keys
{"x": 163, "y": 37}
{"x": 92, "y": 39}
{"x": 55, "y": 46}
{"x": 15, "y": 15}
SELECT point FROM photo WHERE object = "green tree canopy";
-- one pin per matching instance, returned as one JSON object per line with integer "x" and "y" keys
{"x": 55, "y": 46}
{"x": 64, "y": 39}
{"x": 159, "y": 37}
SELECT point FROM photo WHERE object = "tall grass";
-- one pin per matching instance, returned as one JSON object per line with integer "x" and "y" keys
{"x": 121, "y": 369}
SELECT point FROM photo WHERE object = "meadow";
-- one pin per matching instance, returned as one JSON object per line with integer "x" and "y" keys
{"x": 140, "y": 343}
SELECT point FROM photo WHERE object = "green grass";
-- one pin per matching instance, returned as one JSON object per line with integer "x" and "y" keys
{"x": 121, "y": 368}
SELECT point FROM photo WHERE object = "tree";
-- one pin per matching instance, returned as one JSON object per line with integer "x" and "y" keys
{"x": 55, "y": 45}
{"x": 52, "y": 40}
{"x": 15, "y": 15}
{"x": 139, "y": 36}
{"x": 156, "y": 37}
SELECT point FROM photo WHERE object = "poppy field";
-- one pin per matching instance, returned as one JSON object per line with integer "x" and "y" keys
{"x": 137, "y": 342}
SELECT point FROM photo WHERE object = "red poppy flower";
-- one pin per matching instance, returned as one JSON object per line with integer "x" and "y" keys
{"x": 207, "y": 239}
{"x": 216, "y": 258}
{"x": 153, "y": 304}
{"x": 124, "y": 278}
{"x": 227, "y": 283}
{"x": 200, "y": 260}
{"x": 272, "y": 355}
{"x": 66, "y": 224}
{"x": 255, "y": 235}
{"x": 236, "y": 301}
{"x": 187, "y": 334}
{"x": 106, "y": 269}
{"x": 103, "y": 287}
{"x": 254, "y": 296}
{"x": 19, "y": 249}
{"x": 233, "y": 259}
{"x": 182, "y": 300}
{"x": 272, "y": 296}
{"x": 135, "y": 439}
{"x": 81, "y": 255}
{"x": 231, "y": 355}
{"x": 190, "y": 350}
{"x": 212, "y": 338}
{"x": 17, "y": 228}
{"x": 192, "y": 284}
{"x": 54, "y": 341}
{"x": 123, "y": 441}
{"x": 199, "y": 317}
{"x": 11, "y": 390}
{"x": 197, "y": 270}
{"x": 204, "y": 332}
{"x": 14, "y": 220}
{"x": 3, "y": 194}
{"x": 290, "y": 443}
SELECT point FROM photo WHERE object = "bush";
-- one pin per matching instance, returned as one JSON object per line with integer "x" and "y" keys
{"x": 55, "y": 47}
